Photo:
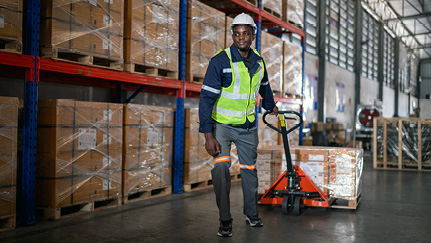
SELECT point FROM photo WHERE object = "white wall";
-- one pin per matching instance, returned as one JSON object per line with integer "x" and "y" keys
{"x": 425, "y": 105}
{"x": 334, "y": 75}
{"x": 403, "y": 105}
{"x": 369, "y": 91}
{"x": 388, "y": 102}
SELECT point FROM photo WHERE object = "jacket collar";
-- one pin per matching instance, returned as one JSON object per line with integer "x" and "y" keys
{"x": 236, "y": 56}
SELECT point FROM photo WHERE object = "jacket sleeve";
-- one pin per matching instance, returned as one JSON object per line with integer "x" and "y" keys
{"x": 210, "y": 92}
{"x": 266, "y": 93}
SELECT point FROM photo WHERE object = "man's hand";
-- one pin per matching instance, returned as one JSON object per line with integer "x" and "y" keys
{"x": 211, "y": 145}
{"x": 274, "y": 111}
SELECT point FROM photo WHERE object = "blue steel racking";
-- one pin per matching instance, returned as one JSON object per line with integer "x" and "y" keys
{"x": 63, "y": 72}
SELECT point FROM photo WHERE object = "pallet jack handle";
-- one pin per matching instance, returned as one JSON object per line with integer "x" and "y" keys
{"x": 289, "y": 118}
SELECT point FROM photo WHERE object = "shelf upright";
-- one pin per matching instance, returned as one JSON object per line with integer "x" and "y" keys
{"x": 28, "y": 170}
{"x": 179, "y": 115}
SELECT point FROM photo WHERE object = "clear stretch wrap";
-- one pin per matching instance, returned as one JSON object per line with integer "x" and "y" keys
{"x": 408, "y": 130}
{"x": 272, "y": 53}
{"x": 206, "y": 36}
{"x": 11, "y": 25}
{"x": 85, "y": 27}
{"x": 148, "y": 147}
{"x": 295, "y": 12}
{"x": 8, "y": 154}
{"x": 292, "y": 70}
{"x": 274, "y": 7}
{"x": 79, "y": 152}
{"x": 337, "y": 172}
{"x": 151, "y": 33}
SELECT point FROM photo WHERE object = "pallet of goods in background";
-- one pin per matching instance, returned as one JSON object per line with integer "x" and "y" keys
{"x": 402, "y": 144}
{"x": 85, "y": 32}
{"x": 197, "y": 162}
{"x": 205, "y": 35}
{"x": 335, "y": 171}
{"x": 273, "y": 7}
{"x": 292, "y": 69}
{"x": 79, "y": 157}
{"x": 11, "y": 25}
{"x": 272, "y": 53}
{"x": 147, "y": 151}
{"x": 293, "y": 12}
{"x": 8, "y": 161}
{"x": 151, "y": 37}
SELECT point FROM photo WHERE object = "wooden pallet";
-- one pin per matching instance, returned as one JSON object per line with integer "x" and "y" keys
{"x": 47, "y": 213}
{"x": 149, "y": 70}
{"x": 390, "y": 162}
{"x": 195, "y": 78}
{"x": 77, "y": 57}
{"x": 272, "y": 12}
{"x": 346, "y": 204}
{"x": 235, "y": 176}
{"x": 10, "y": 45}
{"x": 189, "y": 187}
{"x": 7, "y": 222}
{"x": 144, "y": 195}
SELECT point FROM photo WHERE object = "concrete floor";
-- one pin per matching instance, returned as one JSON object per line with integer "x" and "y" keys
{"x": 395, "y": 207}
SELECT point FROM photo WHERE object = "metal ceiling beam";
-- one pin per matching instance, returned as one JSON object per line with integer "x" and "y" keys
{"x": 423, "y": 47}
{"x": 402, "y": 23}
{"x": 425, "y": 33}
{"x": 416, "y": 16}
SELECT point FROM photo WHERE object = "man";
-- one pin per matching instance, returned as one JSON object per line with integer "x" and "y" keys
{"x": 234, "y": 78}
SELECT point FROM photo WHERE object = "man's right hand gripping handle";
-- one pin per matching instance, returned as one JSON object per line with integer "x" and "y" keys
{"x": 211, "y": 144}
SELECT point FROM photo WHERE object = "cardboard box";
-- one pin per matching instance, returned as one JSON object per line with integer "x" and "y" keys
{"x": 77, "y": 140}
{"x": 8, "y": 154}
{"x": 272, "y": 53}
{"x": 317, "y": 127}
{"x": 11, "y": 23}
{"x": 292, "y": 69}
{"x": 268, "y": 137}
{"x": 147, "y": 151}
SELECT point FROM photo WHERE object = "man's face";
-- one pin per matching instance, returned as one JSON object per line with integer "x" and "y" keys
{"x": 243, "y": 36}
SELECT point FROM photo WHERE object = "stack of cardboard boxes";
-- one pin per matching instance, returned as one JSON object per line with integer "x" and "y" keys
{"x": 272, "y": 53}
{"x": 273, "y": 6}
{"x": 293, "y": 12}
{"x": 11, "y": 25}
{"x": 147, "y": 150}
{"x": 205, "y": 34}
{"x": 292, "y": 69}
{"x": 79, "y": 152}
{"x": 8, "y": 155}
{"x": 93, "y": 28}
{"x": 151, "y": 34}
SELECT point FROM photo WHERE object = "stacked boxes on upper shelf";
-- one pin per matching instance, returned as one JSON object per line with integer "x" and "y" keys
{"x": 147, "y": 151}
{"x": 11, "y": 25}
{"x": 151, "y": 35}
{"x": 79, "y": 152}
{"x": 205, "y": 36}
{"x": 273, "y": 7}
{"x": 272, "y": 53}
{"x": 83, "y": 31}
{"x": 292, "y": 69}
{"x": 293, "y": 12}
{"x": 8, "y": 156}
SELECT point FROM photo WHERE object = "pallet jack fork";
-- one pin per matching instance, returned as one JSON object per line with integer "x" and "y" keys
{"x": 293, "y": 189}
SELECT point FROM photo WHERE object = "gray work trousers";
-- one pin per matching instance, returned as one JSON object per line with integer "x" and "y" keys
{"x": 246, "y": 141}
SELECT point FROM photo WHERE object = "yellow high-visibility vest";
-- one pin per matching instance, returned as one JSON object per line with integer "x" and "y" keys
{"x": 236, "y": 103}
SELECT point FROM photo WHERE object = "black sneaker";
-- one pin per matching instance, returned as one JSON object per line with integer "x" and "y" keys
{"x": 225, "y": 229}
{"x": 254, "y": 221}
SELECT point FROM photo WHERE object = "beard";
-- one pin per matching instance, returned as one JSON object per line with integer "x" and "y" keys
{"x": 244, "y": 49}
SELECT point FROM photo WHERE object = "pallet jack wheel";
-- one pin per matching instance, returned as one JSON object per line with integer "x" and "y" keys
{"x": 297, "y": 206}
{"x": 285, "y": 205}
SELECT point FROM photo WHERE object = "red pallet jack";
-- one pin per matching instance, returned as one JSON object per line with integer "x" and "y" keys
{"x": 293, "y": 189}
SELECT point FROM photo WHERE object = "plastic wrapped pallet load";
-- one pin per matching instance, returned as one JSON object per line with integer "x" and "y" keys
{"x": 147, "y": 154}
{"x": 205, "y": 35}
{"x": 293, "y": 12}
{"x": 272, "y": 53}
{"x": 79, "y": 155}
{"x": 11, "y": 25}
{"x": 292, "y": 69}
{"x": 273, "y": 7}
{"x": 8, "y": 155}
{"x": 151, "y": 34}
{"x": 80, "y": 30}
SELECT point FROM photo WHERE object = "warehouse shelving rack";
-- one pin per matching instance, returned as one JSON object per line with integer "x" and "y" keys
{"x": 32, "y": 68}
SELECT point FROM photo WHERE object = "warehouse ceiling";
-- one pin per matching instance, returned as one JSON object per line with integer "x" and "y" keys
{"x": 408, "y": 19}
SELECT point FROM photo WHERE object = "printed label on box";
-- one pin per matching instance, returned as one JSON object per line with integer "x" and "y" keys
{"x": 158, "y": 16}
{"x": 106, "y": 44}
{"x": 1, "y": 21}
{"x": 106, "y": 184}
{"x": 152, "y": 136}
{"x": 86, "y": 139}
{"x": 344, "y": 166}
{"x": 316, "y": 157}
{"x": 107, "y": 115}
{"x": 93, "y": 2}
{"x": 106, "y": 161}
{"x": 107, "y": 139}
{"x": 107, "y": 21}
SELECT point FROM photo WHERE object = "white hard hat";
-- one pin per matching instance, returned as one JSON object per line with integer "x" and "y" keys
{"x": 243, "y": 19}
